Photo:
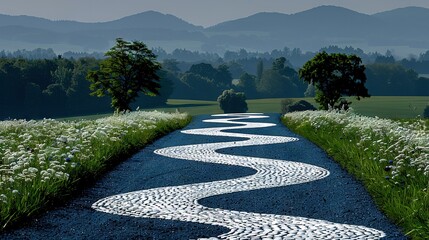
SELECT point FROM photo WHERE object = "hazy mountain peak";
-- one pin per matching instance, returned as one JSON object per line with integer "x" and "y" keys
{"x": 329, "y": 11}
{"x": 407, "y": 12}
{"x": 269, "y": 21}
{"x": 403, "y": 10}
{"x": 309, "y": 30}
{"x": 19, "y": 19}
{"x": 153, "y": 19}
{"x": 408, "y": 17}
{"x": 253, "y": 22}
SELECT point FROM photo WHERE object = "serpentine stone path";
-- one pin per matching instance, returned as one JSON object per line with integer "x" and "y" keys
{"x": 257, "y": 153}
{"x": 182, "y": 202}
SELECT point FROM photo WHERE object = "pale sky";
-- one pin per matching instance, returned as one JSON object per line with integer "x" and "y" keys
{"x": 198, "y": 12}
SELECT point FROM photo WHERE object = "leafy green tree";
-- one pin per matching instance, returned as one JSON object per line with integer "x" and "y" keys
{"x": 232, "y": 102}
{"x": 279, "y": 63}
{"x": 165, "y": 92}
{"x": 39, "y": 72}
{"x": 236, "y": 69}
{"x": 259, "y": 69}
{"x": 391, "y": 80}
{"x": 12, "y": 88}
{"x": 130, "y": 68}
{"x": 273, "y": 84}
{"x": 280, "y": 81}
{"x": 223, "y": 77}
{"x": 63, "y": 75}
{"x": 80, "y": 101}
{"x": 247, "y": 83}
{"x": 33, "y": 101}
{"x": 199, "y": 87}
{"x": 55, "y": 99}
{"x": 335, "y": 75}
{"x": 203, "y": 69}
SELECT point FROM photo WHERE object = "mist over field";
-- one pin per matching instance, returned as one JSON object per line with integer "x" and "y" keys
{"x": 402, "y": 31}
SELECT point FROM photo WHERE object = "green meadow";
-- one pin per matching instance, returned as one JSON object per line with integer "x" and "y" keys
{"x": 389, "y": 157}
{"x": 383, "y": 107}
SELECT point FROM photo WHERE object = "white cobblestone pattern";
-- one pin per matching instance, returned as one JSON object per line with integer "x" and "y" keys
{"x": 181, "y": 202}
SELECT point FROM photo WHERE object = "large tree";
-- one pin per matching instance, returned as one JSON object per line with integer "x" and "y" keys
{"x": 129, "y": 69}
{"x": 334, "y": 76}
{"x": 280, "y": 81}
{"x": 247, "y": 84}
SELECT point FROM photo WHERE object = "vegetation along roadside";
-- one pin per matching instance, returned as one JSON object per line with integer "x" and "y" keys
{"x": 43, "y": 161}
{"x": 390, "y": 157}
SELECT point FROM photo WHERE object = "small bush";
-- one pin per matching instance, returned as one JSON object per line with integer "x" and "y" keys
{"x": 426, "y": 112}
{"x": 232, "y": 102}
{"x": 285, "y": 105}
{"x": 289, "y": 105}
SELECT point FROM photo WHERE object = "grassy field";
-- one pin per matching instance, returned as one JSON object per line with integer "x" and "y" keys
{"x": 391, "y": 107}
{"x": 384, "y": 107}
{"x": 390, "y": 157}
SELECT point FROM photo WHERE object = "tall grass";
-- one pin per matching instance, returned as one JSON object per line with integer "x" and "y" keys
{"x": 390, "y": 157}
{"x": 41, "y": 161}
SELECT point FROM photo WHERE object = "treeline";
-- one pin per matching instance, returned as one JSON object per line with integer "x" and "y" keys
{"x": 393, "y": 79}
{"x": 204, "y": 82}
{"x": 57, "y": 87}
{"x": 49, "y": 53}
{"x": 296, "y": 57}
{"x": 261, "y": 78}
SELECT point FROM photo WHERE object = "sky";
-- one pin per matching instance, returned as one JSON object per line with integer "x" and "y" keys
{"x": 199, "y": 12}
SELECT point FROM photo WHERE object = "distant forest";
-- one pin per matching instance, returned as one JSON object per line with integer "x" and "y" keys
{"x": 39, "y": 83}
{"x": 295, "y": 56}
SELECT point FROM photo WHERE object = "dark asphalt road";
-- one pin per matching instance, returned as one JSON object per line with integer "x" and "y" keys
{"x": 338, "y": 198}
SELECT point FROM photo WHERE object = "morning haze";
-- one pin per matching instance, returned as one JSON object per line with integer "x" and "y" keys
{"x": 308, "y": 30}
{"x": 199, "y": 12}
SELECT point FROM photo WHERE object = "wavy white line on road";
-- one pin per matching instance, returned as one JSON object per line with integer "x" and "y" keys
{"x": 181, "y": 202}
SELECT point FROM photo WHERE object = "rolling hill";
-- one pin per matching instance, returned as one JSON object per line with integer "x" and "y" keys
{"x": 308, "y": 30}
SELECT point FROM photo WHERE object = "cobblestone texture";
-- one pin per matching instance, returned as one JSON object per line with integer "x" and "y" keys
{"x": 181, "y": 202}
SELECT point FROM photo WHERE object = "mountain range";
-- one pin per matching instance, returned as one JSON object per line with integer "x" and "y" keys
{"x": 400, "y": 30}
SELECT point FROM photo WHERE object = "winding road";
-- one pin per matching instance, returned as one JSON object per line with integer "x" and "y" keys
{"x": 181, "y": 202}
{"x": 242, "y": 176}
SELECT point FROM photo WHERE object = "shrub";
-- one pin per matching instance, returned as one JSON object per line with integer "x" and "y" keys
{"x": 289, "y": 105}
{"x": 285, "y": 104}
{"x": 232, "y": 102}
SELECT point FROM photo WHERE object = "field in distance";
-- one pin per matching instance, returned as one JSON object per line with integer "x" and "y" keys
{"x": 385, "y": 107}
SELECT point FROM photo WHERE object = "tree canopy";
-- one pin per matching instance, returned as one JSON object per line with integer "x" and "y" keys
{"x": 280, "y": 81}
{"x": 334, "y": 76}
{"x": 129, "y": 69}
